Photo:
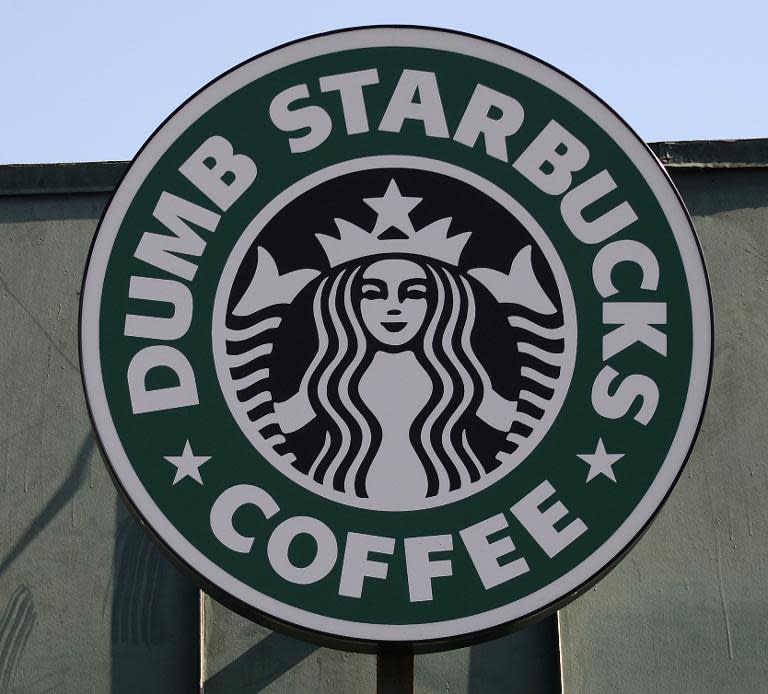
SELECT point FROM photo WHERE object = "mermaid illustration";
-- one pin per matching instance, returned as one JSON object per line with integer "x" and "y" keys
{"x": 395, "y": 383}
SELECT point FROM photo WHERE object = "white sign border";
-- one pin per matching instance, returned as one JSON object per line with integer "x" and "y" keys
{"x": 437, "y": 39}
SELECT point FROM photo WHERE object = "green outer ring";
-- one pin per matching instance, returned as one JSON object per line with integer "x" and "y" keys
{"x": 428, "y": 643}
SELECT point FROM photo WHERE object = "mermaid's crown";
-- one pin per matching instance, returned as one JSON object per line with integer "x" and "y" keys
{"x": 393, "y": 233}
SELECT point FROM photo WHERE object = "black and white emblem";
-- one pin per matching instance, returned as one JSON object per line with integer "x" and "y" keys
{"x": 393, "y": 334}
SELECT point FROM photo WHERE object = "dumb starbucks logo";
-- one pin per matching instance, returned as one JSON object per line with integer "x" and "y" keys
{"x": 395, "y": 335}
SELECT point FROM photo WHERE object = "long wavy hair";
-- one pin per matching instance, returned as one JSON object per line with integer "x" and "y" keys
{"x": 442, "y": 347}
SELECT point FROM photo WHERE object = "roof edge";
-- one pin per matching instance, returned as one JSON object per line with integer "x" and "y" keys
{"x": 713, "y": 154}
{"x": 103, "y": 176}
{"x": 58, "y": 179}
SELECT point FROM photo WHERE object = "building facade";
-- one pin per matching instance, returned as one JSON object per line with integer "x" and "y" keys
{"x": 89, "y": 604}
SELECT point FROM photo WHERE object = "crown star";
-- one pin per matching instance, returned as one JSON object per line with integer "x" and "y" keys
{"x": 393, "y": 210}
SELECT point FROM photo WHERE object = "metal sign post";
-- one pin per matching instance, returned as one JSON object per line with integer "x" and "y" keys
{"x": 395, "y": 673}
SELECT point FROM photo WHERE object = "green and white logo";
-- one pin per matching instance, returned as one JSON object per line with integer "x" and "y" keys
{"x": 396, "y": 335}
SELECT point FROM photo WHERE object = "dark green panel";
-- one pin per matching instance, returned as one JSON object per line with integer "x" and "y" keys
{"x": 241, "y": 657}
{"x": 526, "y": 662}
{"x": 155, "y": 617}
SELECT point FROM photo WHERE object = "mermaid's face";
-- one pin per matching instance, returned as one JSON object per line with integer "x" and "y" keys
{"x": 393, "y": 300}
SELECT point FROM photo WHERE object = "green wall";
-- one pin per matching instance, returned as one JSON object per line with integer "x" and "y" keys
{"x": 87, "y": 604}
{"x": 687, "y": 610}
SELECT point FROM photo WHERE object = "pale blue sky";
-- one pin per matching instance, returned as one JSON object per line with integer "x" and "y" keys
{"x": 86, "y": 80}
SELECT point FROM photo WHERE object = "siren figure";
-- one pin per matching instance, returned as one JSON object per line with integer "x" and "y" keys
{"x": 395, "y": 381}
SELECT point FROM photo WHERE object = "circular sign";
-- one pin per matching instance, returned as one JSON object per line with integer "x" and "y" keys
{"x": 395, "y": 335}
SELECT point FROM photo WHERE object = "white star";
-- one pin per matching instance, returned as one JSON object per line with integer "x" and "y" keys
{"x": 393, "y": 210}
{"x": 600, "y": 462}
{"x": 187, "y": 464}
